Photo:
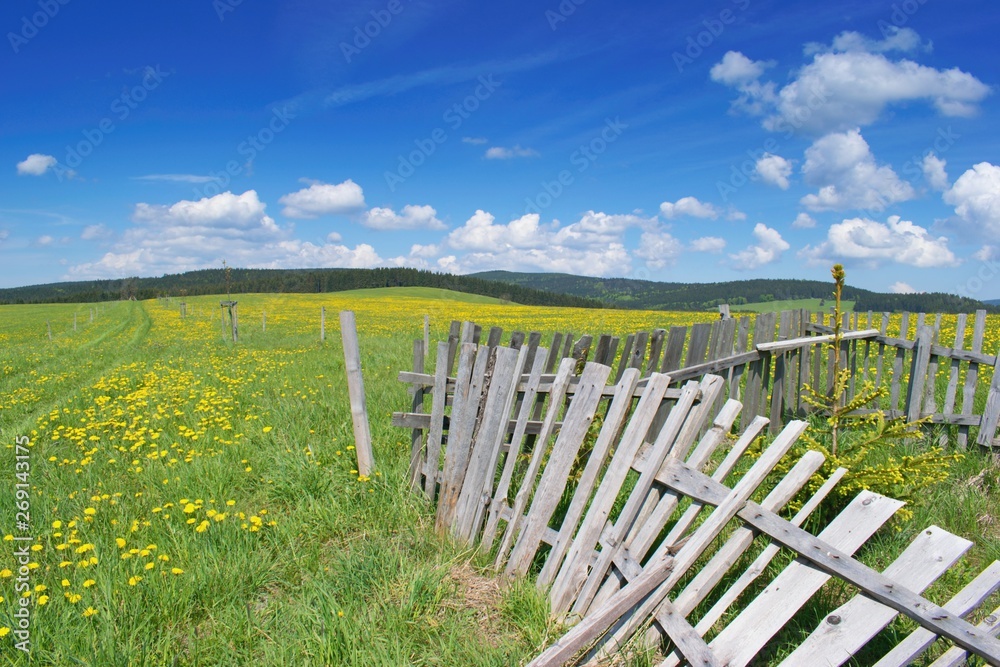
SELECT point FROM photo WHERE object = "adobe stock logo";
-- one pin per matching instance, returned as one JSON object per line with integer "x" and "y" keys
{"x": 30, "y": 25}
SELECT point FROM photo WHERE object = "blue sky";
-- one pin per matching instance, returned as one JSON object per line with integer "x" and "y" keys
{"x": 671, "y": 141}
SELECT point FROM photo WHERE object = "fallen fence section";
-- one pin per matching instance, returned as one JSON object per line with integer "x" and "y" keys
{"x": 637, "y": 511}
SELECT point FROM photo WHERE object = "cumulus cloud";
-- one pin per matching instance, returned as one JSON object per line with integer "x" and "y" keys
{"x": 934, "y": 172}
{"x": 735, "y": 69}
{"x": 502, "y": 153}
{"x": 849, "y": 84}
{"x": 708, "y": 244}
{"x": 191, "y": 235}
{"x": 659, "y": 249}
{"x": 424, "y": 251}
{"x": 843, "y": 167}
{"x": 803, "y": 221}
{"x": 591, "y": 246}
{"x": 875, "y": 243}
{"x": 95, "y": 232}
{"x": 900, "y": 287}
{"x": 774, "y": 170}
{"x": 409, "y": 217}
{"x": 988, "y": 253}
{"x": 36, "y": 164}
{"x": 688, "y": 207}
{"x": 324, "y": 199}
{"x": 45, "y": 240}
{"x": 768, "y": 248}
{"x": 976, "y": 198}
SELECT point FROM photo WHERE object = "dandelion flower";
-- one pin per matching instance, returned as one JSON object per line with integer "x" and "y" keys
{"x": 89, "y": 611}
{"x": 176, "y": 570}
{"x": 88, "y": 583}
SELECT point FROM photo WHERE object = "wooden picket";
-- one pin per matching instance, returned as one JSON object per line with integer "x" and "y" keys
{"x": 609, "y": 487}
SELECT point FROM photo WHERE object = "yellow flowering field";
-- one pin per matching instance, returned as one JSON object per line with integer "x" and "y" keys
{"x": 195, "y": 502}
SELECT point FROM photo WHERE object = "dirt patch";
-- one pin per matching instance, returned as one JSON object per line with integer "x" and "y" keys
{"x": 481, "y": 595}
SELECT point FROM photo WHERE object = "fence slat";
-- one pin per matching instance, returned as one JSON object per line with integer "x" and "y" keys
{"x": 356, "y": 391}
{"x": 972, "y": 375}
{"x": 439, "y": 398}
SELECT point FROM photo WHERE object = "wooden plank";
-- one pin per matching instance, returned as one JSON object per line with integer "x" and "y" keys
{"x": 918, "y": 373}
{"x": 614, "y": 541}
{"x": 468, "y": 389}
{"x": 872, "y": 583}
{"x": 967, "y": 599}
{"x": 516, "y": 340}
{"x": 601, "y": 353}
{"x": 972, "y": 376}
{"x": 453, "y": 333}
{"x": 955, "y": 656}
{"x": 614, "y": 422}
{"x": 655, "y": 349}
{"x": 765, "y": 615}
{"x": 852, "y": 625}
{"x": 991, "y": 413}
{"x": 573, "y": 570}
{"x": 528, "y": 402}
{"x": 880, "y": 362}
{"x": 496, "y": 333}
{"x": 550, "y": 487}
{"x": 674, "y": 350}
{"x": 356, "y": 392}
{"x": 952, "y": 391}
{"x": 737, "y": 372}
{"x": 567, "y": 345}
{"x": 765, "y": 557}
{"x": 793, "y": 343}
{"x": 639, "y": 350}
{"x": 534, "y": 340}
{"x": 698, "y": 345}
{"x": 595, "y": 624}
{"x": 582, "y": 348}
{"x": 553, "y": 358}
{"x": 435, "y": 433}
{"x": 657, "y": 602}
{"x": 501, "y": 372}
{"x": 623, "y": 363}
{"x": 555, "y": 403}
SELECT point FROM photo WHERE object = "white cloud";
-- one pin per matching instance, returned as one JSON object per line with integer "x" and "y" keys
{"x": 803, "y": 221}
{"x": 688, "y": 207}
{"x": 44, "y": 240}
{"x": 502, "y": 153}
{"x": 36, "y": 164}
{"x": 199, "y": 234}
{"x": 177, "y": 178}
{"x": 988, "y": 253}
{"x": 774, "y": 170}
{"x": 767, "y": 249}
{"x": 591, "y": 246}
{"x": 851, "y": 85}
{"x": 934, "y": 172}
{"x": 900, "y": 287}
{"x": 844, "y": 169}
{"x": 324, "y": 199}
{"x": 905, "y": 40}
{"x": 708, "y": 244}
{"x": 659, "y": 249}
{"x": 475, "y": 141}
{"x": 732, "y": 213}
{"x": 95, "y": 232}
{"x": 976, "y": 198}
{"x": 896, "y": 240}
{"x": 424, "y": 251}
{"x": 735, "y": 69}
{"x": 410, "y": 217}
{"x": 333, "y": 237}
{"x": 4, "y": 235}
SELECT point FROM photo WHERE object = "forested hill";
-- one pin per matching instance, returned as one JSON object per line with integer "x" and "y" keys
{"x": 993, "y": 302}
{"x": 213, "y": 281}
{"x": 645, "y": 294}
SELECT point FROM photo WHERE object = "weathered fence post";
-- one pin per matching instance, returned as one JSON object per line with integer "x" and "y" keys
{"x": 74, "y": 321}
{"x": 427, "y": 337}
{"x": 263, "y": 321}
{"x": 322, "y": 323}
{"x": 48, "y": 326}
{"x": 356, "y": 391}
{"x": 991, "y": 413}
{"x": 918, "y": 372}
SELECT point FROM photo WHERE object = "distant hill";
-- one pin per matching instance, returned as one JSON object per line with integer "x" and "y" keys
{"x": 993, "y": 302}
{"x": 213, "y": 281}
{"x": 646, "y": 294}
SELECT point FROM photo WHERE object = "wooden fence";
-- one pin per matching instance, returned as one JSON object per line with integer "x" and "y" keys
{"x": 766, "y": 368}
{"x": 610, "y": 489}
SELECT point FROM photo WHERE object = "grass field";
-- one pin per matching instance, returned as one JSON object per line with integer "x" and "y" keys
{"x": 196, "y": 502}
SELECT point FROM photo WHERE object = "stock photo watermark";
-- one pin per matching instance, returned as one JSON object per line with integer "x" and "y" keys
{"x": 31, "y": 24}
{"x": 22, "y": 540}
{"x": 364, "y": 34}
{"x": 223, "y": 7}
{"x": 713, "y": 28}
{"x": 562, "y": 13}
{"x": 248, "y": 149}
{"x": 121, "y": 108}
{"x": 582, "y": 158}
{"x": 454, "y": 117}
{"x": 902, "y": 12}
{"x": 987, "y": 272}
